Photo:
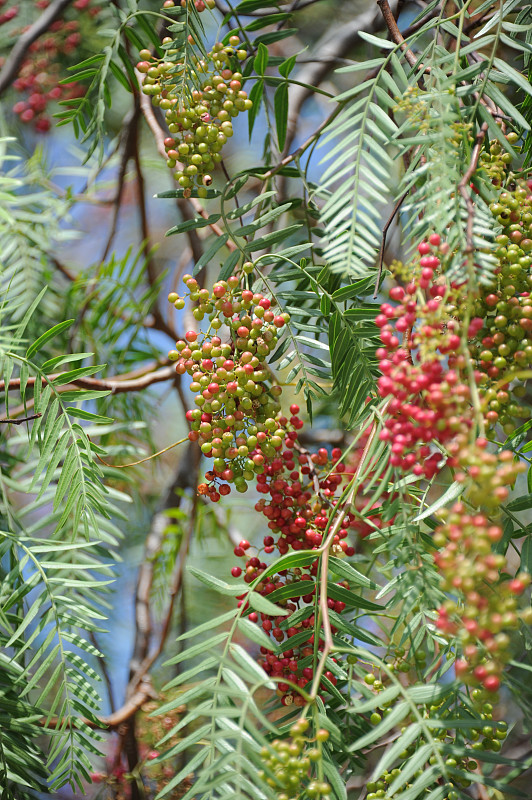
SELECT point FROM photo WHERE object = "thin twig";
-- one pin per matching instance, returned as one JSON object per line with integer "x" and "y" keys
{"x": 64, "y": 270}
{"x": 463, "y": 187}
{"x": 25, "y": 40}
{"x": 11, "y": 421}
{"x": 140, "y": 660}
{"x": 159, "y": 320}
{"x": 117, "y": 384}
{"x": 105, "y": 673}
{"x": 385, "y": 229}
{"x": 301, "y": 149}
{"x": 177, "y": 582}
{"x": 117, "y": 718}
{"x": 129, "y": 131}
{"x": 313, "y": 473}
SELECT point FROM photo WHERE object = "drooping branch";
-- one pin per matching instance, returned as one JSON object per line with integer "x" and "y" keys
{"x": 25, "y": 40}
{"x": 385, "y": 230}
{"x": 302, "y": 148}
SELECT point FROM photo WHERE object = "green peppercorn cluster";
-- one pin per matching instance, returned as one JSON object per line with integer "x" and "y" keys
{"x": 504, "y": 348}
{"x": 236, "y": 420}
{"x": 290, "y": 764}
{"x": 199, "y": 119}
{"x": 484, "y": 734}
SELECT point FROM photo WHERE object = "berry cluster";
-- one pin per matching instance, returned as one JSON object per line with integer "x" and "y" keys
{"x": 303, "y": 491}
{"x": 487, "y": 736}
{"x": 292, "y": 661}
{"x": 40, "y": 73}
{"x": 469, "y": 566}
{"x": 289, "y": 763}
{"x": 429, "y": 399}
{"x": 293, "y": 657}
{"x": 486, "y": 475}
{"x": 505, "y": 348}
{"x": 235, "y": 420}
{"x": 199, "y": 121}
{"x": 238, "y": 423}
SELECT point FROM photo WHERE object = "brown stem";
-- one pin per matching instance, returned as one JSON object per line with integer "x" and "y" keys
{"x": 301, "y": 149}
{"x": 105, "y": 673}
{"x": 9, "y": 420}
{"x": 395, "y": 33}
{"x": 129, "y": 136}
{"x": 383, "y": 240}
{"x": 313, "y": 473}
{"x": 175, "y": 589}
{"x": 160, "y": 322}
{"x": 337, "y": 42}
{"x": 115, "y": 385}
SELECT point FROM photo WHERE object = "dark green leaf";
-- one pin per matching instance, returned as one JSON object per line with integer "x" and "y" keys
{"x": 261, "y": 59}
{"x": 280, "y": 104}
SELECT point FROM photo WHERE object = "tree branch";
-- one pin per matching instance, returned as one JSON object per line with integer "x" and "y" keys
{"x": 18, "y": 53}
{"x": 383, "y": 240}
{"x": 395, "y": 33}
{"x": 116, "y": 385}
{"x": 11, "y": 421}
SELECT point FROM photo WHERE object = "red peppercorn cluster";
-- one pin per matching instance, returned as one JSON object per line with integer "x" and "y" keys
{"x": 236, "y": 419}
{"x": 199, "y": 120}
{"x": 39, "y": 76}
{"x": 421, "y": 367}
{"x": 292, "y": 658}
{"x": 301, "y": 489}
{"x": 469, "y": 567}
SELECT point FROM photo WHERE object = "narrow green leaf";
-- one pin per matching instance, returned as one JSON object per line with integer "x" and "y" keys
{"x": 222, "y": 587}
{"x": 49, "y": 334}
{"x": 260, "y": 603}
{"x": 261, "y": 59}
{"x": 280, "y": 104}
